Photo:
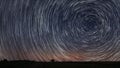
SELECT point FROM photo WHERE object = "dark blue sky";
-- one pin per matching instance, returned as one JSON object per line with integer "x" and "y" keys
{"x": 64, "y": 30}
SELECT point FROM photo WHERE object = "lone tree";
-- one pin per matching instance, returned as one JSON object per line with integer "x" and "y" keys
{"x": 5, "y": 60}
{"x": 52, "y": 60}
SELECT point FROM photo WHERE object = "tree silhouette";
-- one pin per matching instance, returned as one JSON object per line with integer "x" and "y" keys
{"x": 52, "y": 60}
{"x": 5, "y": 60}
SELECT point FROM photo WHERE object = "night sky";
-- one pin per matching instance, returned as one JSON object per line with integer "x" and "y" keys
{"x": 63, "y": 30}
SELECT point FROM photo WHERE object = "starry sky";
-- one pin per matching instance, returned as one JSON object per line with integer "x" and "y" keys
{"x": 63, "y": 30}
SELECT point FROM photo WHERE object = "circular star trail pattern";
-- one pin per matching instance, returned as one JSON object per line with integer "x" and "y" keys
{"x": 64, "y": 30}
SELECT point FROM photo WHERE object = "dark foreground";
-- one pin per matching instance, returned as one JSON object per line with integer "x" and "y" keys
{"x": 53, "y": 64}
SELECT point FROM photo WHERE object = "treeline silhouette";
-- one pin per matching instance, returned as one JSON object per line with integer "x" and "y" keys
{"x": 54, "y": 64}
{"x": 24, "y": 64}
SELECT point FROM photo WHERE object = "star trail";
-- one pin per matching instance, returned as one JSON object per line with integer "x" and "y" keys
{"x": 63, "y": 30}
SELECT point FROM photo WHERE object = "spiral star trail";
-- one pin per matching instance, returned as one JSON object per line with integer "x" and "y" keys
{"x": 63, "y": 30}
